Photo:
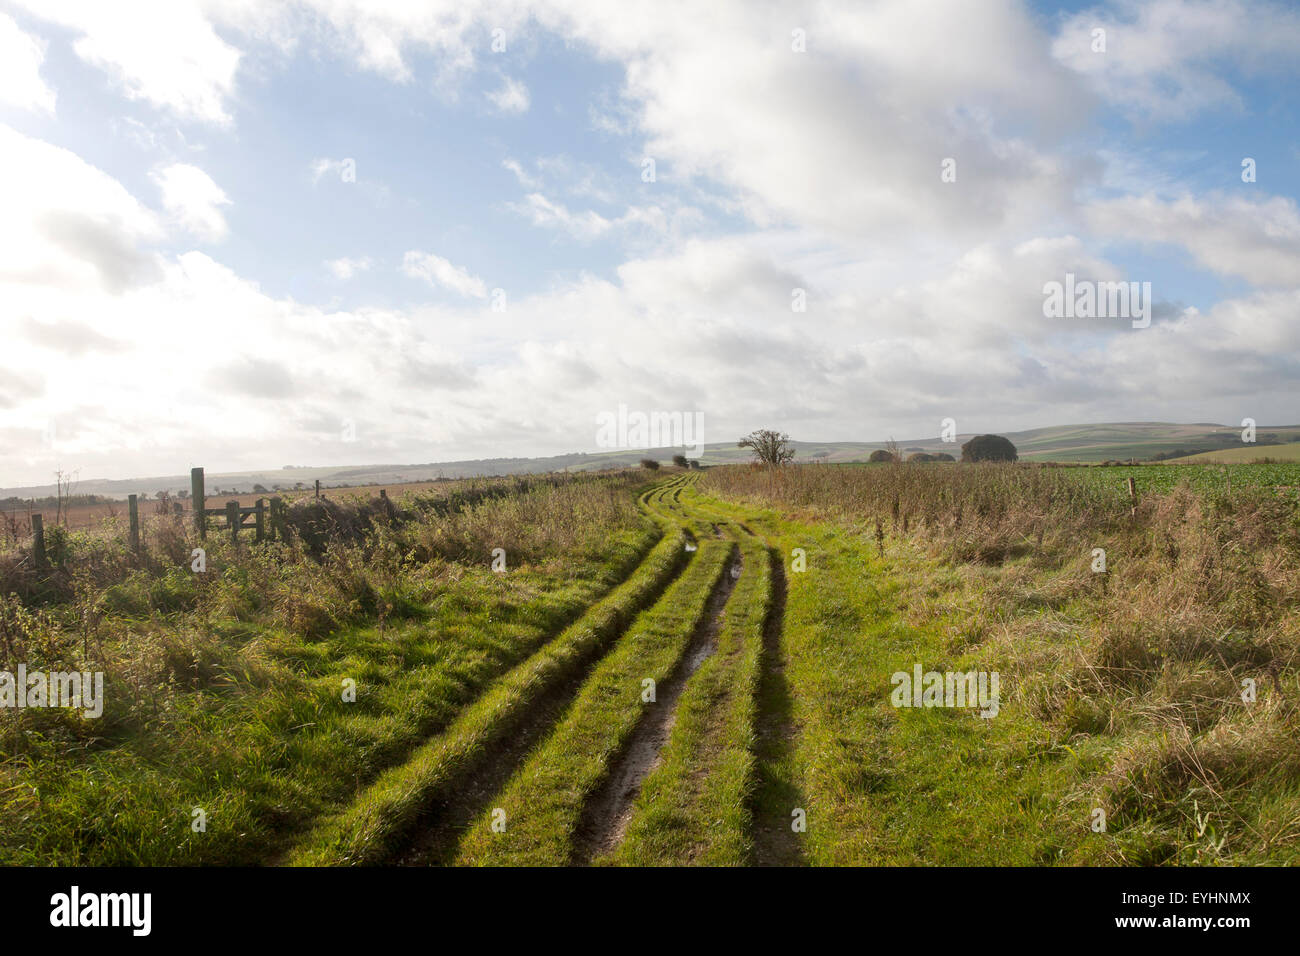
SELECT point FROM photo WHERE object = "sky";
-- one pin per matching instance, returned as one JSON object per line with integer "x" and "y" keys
{"x": 245, "y": 234}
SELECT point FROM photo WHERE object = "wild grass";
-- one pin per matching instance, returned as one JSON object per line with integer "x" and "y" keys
{"x": 1123, "y": 689}
{"x": 224, "y": 690}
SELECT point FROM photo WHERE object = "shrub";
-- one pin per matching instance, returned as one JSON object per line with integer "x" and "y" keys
{"x": 881, "y": 455}
{"x": 649, "y": 464}
{"x": 680, "y": 461}
{"x": 988, "y": 448}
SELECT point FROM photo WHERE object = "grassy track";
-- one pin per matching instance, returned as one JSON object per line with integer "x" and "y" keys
{"x": 694, "y": 807}
{"x": 883, "y": 786}
{"x": 544, "y": 801}
{"x": 377, "y": 822}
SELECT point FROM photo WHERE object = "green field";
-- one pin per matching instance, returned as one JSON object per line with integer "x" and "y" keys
{"x": 1284, "y": 476}
{"x": 1247, "y": 454}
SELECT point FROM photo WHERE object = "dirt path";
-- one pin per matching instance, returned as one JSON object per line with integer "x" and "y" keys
{"x": 609, "y": 809}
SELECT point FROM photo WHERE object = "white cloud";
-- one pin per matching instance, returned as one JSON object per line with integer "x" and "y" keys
{"x": 1258, "y": 240}
{"x": 165, "y": 52}
{"x": 21, "y": 56}
{"x": 193, "y": 200}
{"x": 849, "y": 136}
{"x": 589, "y": 225}
{"x": 346, "y": 268}
{"x": 511, "y": 98}
{"x": 1164, "y": 58}
{"x": 66, "y": 223}
{"x": 541, "y": 211}
{"x": 437, "y": 271}
{"x": 526, "y": 179}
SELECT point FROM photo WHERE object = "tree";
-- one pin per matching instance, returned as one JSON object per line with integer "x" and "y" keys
{"x": 680, "y": 461}
{"x": 943, "y": 456}
{"x": 988, "y": 448}
{"x": 770, "y": 448}
{"x": 880, "y": 455}
{"x": 921, "y": 456}
{"x": 649, "y": 464}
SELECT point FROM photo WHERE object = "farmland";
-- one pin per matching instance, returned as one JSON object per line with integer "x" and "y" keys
{"x": 681, "y": 669}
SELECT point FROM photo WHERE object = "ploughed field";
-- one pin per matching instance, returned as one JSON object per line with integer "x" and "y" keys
{"x": 889, "y": 664}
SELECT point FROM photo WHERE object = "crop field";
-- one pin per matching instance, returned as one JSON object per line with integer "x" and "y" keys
{"x": 1289, "y": 452}
{"x": 689, "y": 669}
{"x": 1283, "y": 477}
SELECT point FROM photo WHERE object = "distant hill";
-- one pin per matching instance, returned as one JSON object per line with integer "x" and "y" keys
{"x": 1066, "y": 443}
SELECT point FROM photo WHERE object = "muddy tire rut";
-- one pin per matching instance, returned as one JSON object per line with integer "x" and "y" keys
{"x": 609, "y": 809}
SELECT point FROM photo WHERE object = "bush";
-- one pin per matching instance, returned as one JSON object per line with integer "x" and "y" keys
{"x": 921, "y": 456}
{"x": 943, "y": 456}
{"x": 988, "y": 448}
{"x": 881, "y": 455}
{"x": 649, "y": 464}
{"x": 680, "y": 461}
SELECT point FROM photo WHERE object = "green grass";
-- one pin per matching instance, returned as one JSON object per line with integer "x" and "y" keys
{"x": 544, "y": 800}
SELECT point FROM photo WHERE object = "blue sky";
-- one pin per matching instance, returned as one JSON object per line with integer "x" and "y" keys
{"x": 187, "y": 276}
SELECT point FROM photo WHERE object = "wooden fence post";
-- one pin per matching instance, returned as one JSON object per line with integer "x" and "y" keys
{"x": 1132, "y": 497}
{"x": 259, "y": 534}
{"x": 199, "y": 502}
{"x": 277, "y": 518}
{"x": 133, "y": 508}
{"x": 232, "y": 519}
{"x": 38, "y": 541}
{"x": 317, "y": 487}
